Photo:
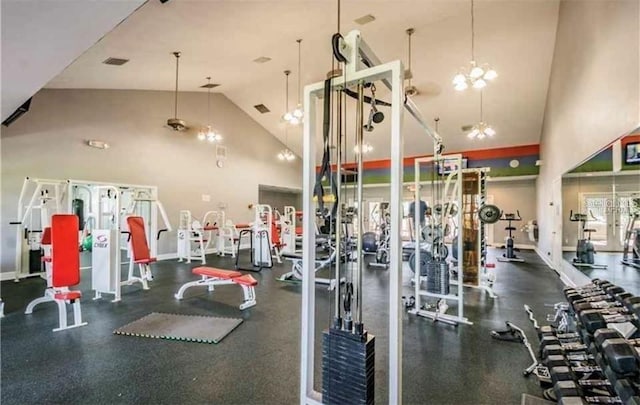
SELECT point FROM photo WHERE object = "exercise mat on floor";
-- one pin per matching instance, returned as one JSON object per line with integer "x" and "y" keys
{"x": 188, "y": 328}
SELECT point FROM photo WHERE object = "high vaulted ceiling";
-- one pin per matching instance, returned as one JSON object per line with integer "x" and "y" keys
{"x": 222, "y": 38}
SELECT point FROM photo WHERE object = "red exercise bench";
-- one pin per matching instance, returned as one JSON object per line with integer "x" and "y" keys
{"x": 211, "y": 277}
{"x": 63, "y": 269}
{"x": 140, "y": 253}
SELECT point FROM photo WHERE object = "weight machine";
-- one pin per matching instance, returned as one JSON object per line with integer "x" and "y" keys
{"x": 192, "y": 231}
{"x": 261, "y": 237}
{"x": 446, "y": 192}
{"x": 360, "y": 66}
{"x": 585, "y": 250}
{"x": 509, "y": 255}
{"x": 631, "y": 251}
{"x": 45, "y": 198}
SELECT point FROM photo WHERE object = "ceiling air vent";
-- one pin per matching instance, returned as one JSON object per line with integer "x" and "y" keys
{"x": 262, "y": 108}
{"x": 262, "y": 59}
{"x": 365, "y": 19}
{"x": 209, "y": 85}
{"x": 115, "y": 61}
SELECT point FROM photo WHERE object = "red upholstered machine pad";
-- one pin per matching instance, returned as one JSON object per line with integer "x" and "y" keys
{"x": 138, "y": 240}
{"x": 65, "y": 259}
{"x": 146, "y": 261}
{"x": 69, "y": 295}
{"x": 213, "y": 272}
{"x": 247, "y": 280}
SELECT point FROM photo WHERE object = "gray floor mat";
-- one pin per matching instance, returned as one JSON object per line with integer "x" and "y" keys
{"x": 190, "y": 328}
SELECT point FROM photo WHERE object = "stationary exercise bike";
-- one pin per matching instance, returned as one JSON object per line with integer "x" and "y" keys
{"x": 509, "y": 255}
{"x": 585, "y": 250}
{"x": 631, "y": 251}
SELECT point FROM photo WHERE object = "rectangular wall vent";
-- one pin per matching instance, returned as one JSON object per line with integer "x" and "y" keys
{"x": 115, "y": 61}
{"x": 262, "y": 59}
{"x": 365, "y": 19}
{"x": 262, "y": 108}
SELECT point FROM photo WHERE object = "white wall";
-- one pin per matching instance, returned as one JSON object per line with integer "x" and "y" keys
{"x": 41, "y": 38}
{"x": 49, "y": 142}
{"x": 593, "y": 94}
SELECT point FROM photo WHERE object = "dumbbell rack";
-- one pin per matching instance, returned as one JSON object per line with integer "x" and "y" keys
{"x": 599, "y": 361}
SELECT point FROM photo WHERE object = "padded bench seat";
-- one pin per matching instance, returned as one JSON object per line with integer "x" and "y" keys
{"x": 218, "y": 273}
{"x": 212, "y": 277}
{"x": 69, "y": 295}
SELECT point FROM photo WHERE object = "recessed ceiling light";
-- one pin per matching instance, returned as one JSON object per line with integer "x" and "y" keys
{"x": 365, "y": 19}
{"x": 262, "y": 108}
{"x": 115, "y": 61}
{"x": 262, "y": 59}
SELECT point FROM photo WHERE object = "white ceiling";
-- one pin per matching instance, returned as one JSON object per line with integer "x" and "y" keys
{"x": 40, "y": 38}
{"x": 221, "y": 39}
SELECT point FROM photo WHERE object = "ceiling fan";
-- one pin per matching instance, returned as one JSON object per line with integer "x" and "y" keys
{"x": 176, "y": 123}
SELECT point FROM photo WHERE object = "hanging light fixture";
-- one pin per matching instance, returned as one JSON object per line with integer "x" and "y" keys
{"x": 286, "y": 154}
{"x": 476, "y": 75}
{"x": 295, "y": 117}
{"x": 207, "y": 133}
{"x": 481, "y": 130}
{"x": 366, "y": 148}
{"x": 176, "y": 123}
{"x": 410, "y": 90}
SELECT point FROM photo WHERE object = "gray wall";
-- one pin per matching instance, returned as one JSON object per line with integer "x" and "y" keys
{"x": 49, "y": 142}
{"x": 278, "y": 199}
{"x": 592, "y": 98}
{"x": 571, "y": 189}
{"x": 512, "y": 196}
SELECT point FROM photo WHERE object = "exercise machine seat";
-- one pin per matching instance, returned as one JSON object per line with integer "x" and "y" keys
{"x": 64, "y": 270}
{"x": 65, "y": 258}
{"x": 69, "y": 295}
{"x": 139, "y": 246}
{"x": 218, "y": 273}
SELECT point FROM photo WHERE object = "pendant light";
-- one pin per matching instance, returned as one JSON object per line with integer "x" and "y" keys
{"x": 286, "y": 154}
{"x": 175, "y": 123}
{"x": 410, "y": 90}
{"x": 207, "y": 133}
{"x": 476, "y": 76}
{"x": 295, "y": 117}
{"x": 481, "y": 130}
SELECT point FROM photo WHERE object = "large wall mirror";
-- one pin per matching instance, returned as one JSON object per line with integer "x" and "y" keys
{"x": 601, "y": 214}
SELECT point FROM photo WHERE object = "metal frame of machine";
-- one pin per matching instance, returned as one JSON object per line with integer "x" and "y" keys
{"x": 452, "y": 183}
{"x": 361, "y": 64}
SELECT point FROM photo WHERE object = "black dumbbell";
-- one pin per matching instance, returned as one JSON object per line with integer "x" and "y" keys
{"x": 620, "y": 356}
{"x": 565, "y": 373}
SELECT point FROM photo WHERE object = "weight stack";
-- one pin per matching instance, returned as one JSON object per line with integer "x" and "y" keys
{"x": 438, "y": 277}
{"x": 347, "y": 368}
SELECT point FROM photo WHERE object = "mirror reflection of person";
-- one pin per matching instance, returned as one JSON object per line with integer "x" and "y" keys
{"x": 422, "y": 211}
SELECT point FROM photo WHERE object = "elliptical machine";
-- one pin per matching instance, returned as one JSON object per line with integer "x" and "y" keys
{"x": 585, "y": 250}
{"x": 509, "y": 255}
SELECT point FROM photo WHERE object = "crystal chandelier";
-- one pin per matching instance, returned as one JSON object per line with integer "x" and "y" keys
{"x": 476, "y": 75}
{"x": 481, "y": 130}
{"x": 294, "y": 117}
{"x": 286, "y": 155}
{"x": 207, "y": 133}
{"x": 366, "y": 148}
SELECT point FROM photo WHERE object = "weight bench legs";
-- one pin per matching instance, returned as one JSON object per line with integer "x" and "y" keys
{"x": 62, "y": 315}
{"x": 203, "y": 281}
{"x": 249, "y": 297}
